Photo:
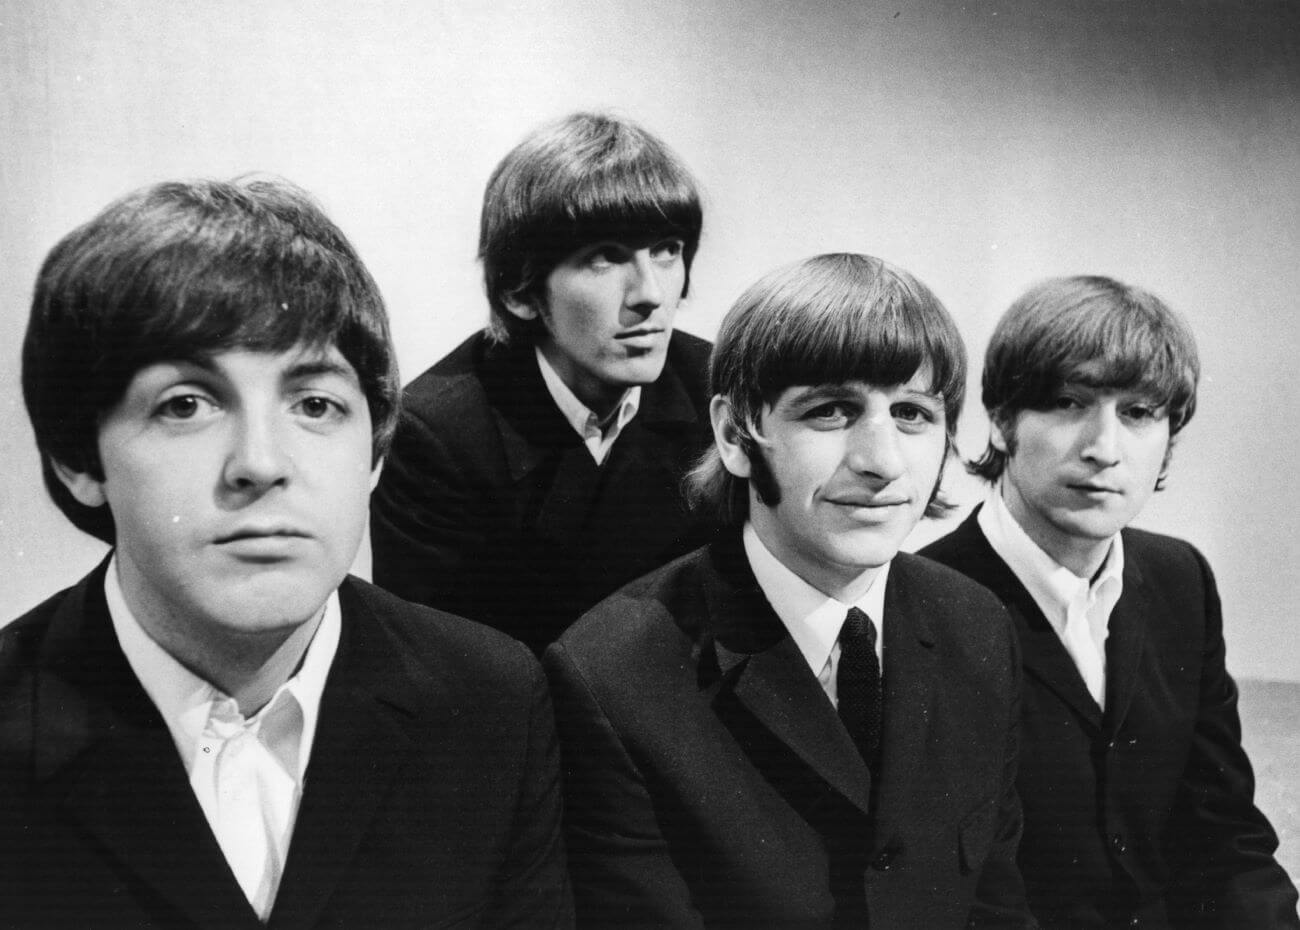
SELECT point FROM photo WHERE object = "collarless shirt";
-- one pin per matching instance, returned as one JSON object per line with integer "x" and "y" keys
{"x": 201, "y": 719}
{"x": 597, "y": 435}
{"x": 814, "y": 619}
{"x": 1062, "y": 596}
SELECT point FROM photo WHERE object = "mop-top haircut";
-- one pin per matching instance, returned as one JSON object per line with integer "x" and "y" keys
{"x": 830, "y": 319}
{"x": 185, "y": 270}
{"x": 587, "y": 178}
{"x": 1088, "y": 330}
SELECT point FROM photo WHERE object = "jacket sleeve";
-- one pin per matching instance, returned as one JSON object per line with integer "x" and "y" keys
{"x": 533, "y": 888}
{"x": 1000, "y": 897}
{"x": 623, "y": 875}
{"x": 1221, "y": 845}
{"x": 423, "y": 523}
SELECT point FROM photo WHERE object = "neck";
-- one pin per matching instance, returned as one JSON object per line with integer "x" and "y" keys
{"x": 596, "y": 395}
{"x": 1082, "y": 555}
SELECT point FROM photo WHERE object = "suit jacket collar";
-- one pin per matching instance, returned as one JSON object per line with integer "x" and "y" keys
{"x": 530, "y": 423}
{"x": 745, "y": 648}
{"x": 1044, "y": 656}
{"x": 102, "y": 745}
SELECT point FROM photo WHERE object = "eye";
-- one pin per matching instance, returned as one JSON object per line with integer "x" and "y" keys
{"x": 1144, "y": 412}
{"x": 828, "y": 415}
{"x": 183, "y": 407}
{"x": 319, "y": 407}
{"x": 913, "y": 413}
{"x": 604, "y": 256}
{"x": 667, "y": 251}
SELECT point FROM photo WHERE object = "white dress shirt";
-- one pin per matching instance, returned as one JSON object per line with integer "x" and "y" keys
{"x": 813, "y": 618}
{"x": 597, "y": 435}
{"x": 1078, "y": 609}
{"x": 247, "y": 773}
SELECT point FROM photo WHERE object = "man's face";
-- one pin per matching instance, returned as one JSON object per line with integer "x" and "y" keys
{"x": 1079, "y": 472}
{"x": 239, "y": 486}
{"x": 608, "y": 312}
{"x": 855, "y": 465}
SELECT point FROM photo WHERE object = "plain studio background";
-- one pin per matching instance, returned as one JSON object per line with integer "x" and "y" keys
{"x": 983, "y": 146}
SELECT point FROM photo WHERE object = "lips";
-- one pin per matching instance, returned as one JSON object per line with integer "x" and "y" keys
{"x": 1088, "y": 487}
{"x": 641, "y": 332}
{"x": 874, "y": 502}
{"x": 244, "y": 534}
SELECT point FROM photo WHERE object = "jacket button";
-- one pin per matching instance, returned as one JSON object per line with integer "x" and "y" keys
{"x": 884, "y": 861}
{"x": 1117, "y": 843}
{"x": 1135, "y": 921}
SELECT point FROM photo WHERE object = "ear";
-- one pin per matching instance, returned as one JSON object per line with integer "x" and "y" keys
{"x": 727, "y": 437}
{"x": 88, "y": 491}
{"x": 998, "y": 438}
{"x": 519, "y": 307}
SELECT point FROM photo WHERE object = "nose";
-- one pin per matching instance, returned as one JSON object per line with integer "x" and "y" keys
{"x": 874, "y": 449}
{"x": 258, "y": 458}
{"x": 644, "y": 289}
{"x": 1101, "y": 440}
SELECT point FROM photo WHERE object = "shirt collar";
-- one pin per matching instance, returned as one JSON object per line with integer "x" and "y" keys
{"x": 598, "y": 435}
{"x": 186, "y": 701}
{"x": 1052, "y": 586}
{"x": 812, "y": 618}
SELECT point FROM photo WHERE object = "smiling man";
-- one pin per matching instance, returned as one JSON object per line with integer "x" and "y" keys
{"x": 1138, "y": 797}
{"x": 538, "y": 466}
{"x": 796, "y": 725}
{"x": 217, "y": 727}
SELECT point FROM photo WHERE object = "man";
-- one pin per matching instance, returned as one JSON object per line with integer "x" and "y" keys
{"x": 1137, "y": 794}
{"x": 731, "y": 755}
{"x": 538, "y": 466}
{"x": 216, "y": 727}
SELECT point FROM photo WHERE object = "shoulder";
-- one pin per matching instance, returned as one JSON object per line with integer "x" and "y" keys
{"x": 1161, "y": 553}
{"x": 952, "y": 605}
{"x": 657, "y": 617}
{"x": 957, "y": 546}
{"x": 688, "y": 357}
{"x": 690, "y": 351}
{"x": 452, "y": 648}
{"x": 940, "y": 586}
{"x": 21, "y": 639}
{"x": 454, "y": 384}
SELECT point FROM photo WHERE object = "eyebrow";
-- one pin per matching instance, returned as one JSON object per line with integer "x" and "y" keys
{"x": 838, "y": 390}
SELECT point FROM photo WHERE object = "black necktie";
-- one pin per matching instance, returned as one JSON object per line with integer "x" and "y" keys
{"x": 858, "y": 685}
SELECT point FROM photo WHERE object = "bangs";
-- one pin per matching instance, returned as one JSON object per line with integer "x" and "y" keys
{"x": 627, "y": 201}
{"x": 295, "y": 294}
{"x": 842, "y": 318}
{"x": 1124, "y": 346}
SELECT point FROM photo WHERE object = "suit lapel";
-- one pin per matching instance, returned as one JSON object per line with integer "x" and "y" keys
{"x": 1043, "y": 654}
{"x": 642, "y": 464}
{"x": 369, "y": 714}
{"x": 910, "y": 666}
{"x": 102, "y": 744}
{"x": 1124, "y": 644}
{"x": 762, "y": 667}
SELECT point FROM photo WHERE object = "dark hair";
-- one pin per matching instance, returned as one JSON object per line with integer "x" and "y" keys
{"x": 586, "y": 178}
{"x": 181, "y": 270}
{"x": 1127, "y": 338}
{"x": 826, "y": 320}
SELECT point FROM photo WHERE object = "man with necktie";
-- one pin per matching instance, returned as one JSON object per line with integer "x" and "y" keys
{"x": 796, "y": 725}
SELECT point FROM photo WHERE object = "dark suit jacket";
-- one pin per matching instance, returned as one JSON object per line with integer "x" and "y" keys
{"x": 709, "y": 781}
{"x": 1145, "y": 811}
{"x": 431, "y": 799}
{"x": 490, "y": 506}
